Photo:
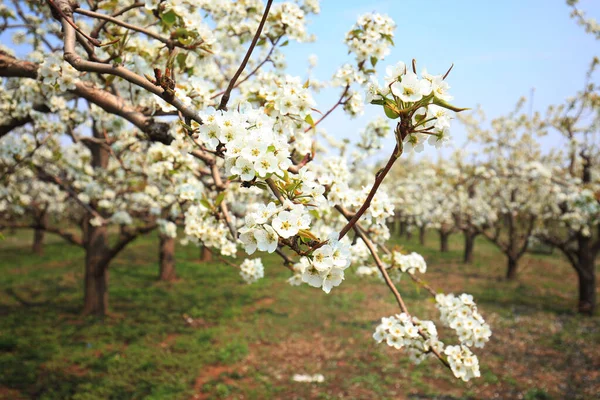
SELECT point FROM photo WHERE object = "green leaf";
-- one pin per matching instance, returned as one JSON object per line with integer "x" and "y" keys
{"x": 373, "y": 61}
{"x": 169, "y": 18}
{"x": 391, "y": 114}
{"x": 285, "y": 43}
{"x": 449, "y": 106}
{"x": 205, "y": 203}
{"x": 219, "y": 199}
{"x": 310, "y": 121}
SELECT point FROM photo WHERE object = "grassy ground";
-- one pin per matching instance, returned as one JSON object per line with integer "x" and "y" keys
{"x": 208, "y": 335}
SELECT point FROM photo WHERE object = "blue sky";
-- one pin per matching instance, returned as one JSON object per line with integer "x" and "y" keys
{"x": 500, "y": 50}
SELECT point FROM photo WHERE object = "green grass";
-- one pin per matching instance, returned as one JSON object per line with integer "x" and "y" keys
{"x": 209, "y": 335}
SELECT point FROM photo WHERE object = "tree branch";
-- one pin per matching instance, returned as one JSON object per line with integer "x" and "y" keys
{"x": 225, "y": 98}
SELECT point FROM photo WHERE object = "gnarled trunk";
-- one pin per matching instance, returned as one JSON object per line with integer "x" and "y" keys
{"x": 38, "y": 242}
{"x": 444, "y": 241}
{"x": 422, "y": 235}
{"x": 206, "y": 254}
{"x": 96, "y": 245}
{"x": 586, "y": 274}
{"x": 167, "y": 258}
{"x": 469, "y": 245}
{"x": 38, "y": 235}
{"x": 587, "y": 290}
{"x": 511, "y": 272}
{"x": 96, "y": 271}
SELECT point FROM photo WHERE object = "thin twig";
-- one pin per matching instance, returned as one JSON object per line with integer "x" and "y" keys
{"x": 378, "y": 179}
{"x": 225, "y": 98}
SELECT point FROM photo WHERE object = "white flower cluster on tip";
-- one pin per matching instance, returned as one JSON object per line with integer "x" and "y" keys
{"x": 371, "y": 36}
{"x": 56, "y": 74}
{"x": 252, "y": 270}
{"x": 403, "y": 331}
{"x": 460, "y": 313}
{"x": 263, "y": 228}
{"x": 463, "y": 362}
{"x": 325, "y": 267}
{"x": 406, "y": 86}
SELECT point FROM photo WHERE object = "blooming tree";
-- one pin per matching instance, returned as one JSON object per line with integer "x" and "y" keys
{"x": 153, "y": 82}
{"x": 572, "y": 213}
{"x": 518, "y": 183}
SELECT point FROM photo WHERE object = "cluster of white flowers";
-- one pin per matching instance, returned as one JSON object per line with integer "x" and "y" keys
{"x": 576, "y": 207}
{"x": 252, "y": 270}
{"x": 425, "y": 97}
{"x": 287, "y": 18}
{"x": 325, "y": 267}
{"x": 253, "y": 151}
{"x": 200, "y": 225}
{"x": 460, "y": 313}
{"x": 260, "y": 153}
{"x": 371, "y": 37}
{"x": 121, "y": 218}
{"x": 463, "y": 362}
{"x": 403, "y": 331}
{"x": 167, "y": 228}
{"x": 354, "y": 105}
{"x": 56, "y": 74}
{"x": 410, "y": 263}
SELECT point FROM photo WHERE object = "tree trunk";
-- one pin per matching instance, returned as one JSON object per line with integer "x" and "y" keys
{"x": 422, "y": 235}
{"x": 95, "y": 299}
{"x": 469, "y": 244}
{"x": 511, "y": 272}
{"x": 167, "y": 258}
{"x": 38, "y": 242}
{"x": 206, "y": 254}
{"x": 96, "y": 272}
{"x": 586, "y": 273}
{"x": 38, "y": 235}
{"x": 444, "y": 241}
{"x": 587, "y": 290}
{"x": 402, "y": 229}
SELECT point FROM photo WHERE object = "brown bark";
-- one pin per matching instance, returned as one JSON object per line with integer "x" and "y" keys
{"x": 511, "y": 272}
{"x": 422, "y": 236}
{"x": 587, "y": 290}
{"x": 38, "y": 234}
{"x": 167, "y": 258}
{"x": 469, "y": 245}
{"x": 444, "y": 241}
{"x": 206, "y": 254}
{"x": 96, "y": 247}
{"x": 38, "y": 242}
{"x": 402, "y": 229}
{"x": 96, "y": 271}
{"x": 586, "y": 274}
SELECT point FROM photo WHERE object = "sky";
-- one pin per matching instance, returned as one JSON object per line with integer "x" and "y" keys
{"x": 500, "y": 50}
